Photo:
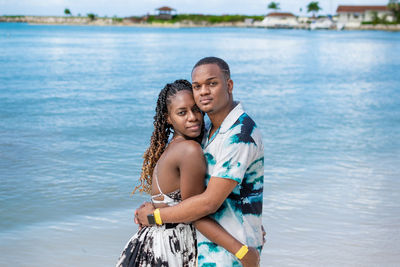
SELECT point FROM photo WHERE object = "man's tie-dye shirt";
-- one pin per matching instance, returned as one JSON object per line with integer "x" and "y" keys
{"x": 236, "y": 152}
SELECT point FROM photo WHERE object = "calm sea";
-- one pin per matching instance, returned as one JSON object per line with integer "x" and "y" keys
{"x": 76, "y": 108}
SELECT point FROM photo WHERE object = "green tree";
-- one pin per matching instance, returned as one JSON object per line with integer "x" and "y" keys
{"x": 273, "y": 6}
{"x": 313, "y": 7}
{"x": 91, "y": 16}
{"x": 375, "y": 18}
{"x": 394, "y": 6}
{"x": 67, "y": 12}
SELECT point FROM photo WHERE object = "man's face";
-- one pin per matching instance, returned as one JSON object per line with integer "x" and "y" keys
{"x": 212, "y": 91}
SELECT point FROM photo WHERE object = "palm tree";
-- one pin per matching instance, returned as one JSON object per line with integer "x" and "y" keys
{"x": 67, "y": 12}
{"x": 273, "y": 5}
{"x": 313, "y": 7}
{"x": 394, "y": 6}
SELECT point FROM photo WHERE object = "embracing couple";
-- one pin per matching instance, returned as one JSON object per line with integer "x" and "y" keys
{"x": 206, "y": 183}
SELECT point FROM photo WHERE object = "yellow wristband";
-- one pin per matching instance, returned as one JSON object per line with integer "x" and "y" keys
{"x": 242, "y": 252}
{"x": 157, "y": 216}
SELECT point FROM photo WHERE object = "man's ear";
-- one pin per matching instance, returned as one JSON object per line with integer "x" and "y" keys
{"x": 230, "y": 86}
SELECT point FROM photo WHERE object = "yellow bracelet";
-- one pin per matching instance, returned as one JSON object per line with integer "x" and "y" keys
{"x": 157, "y": 216}
{"x": 242, "y": 252}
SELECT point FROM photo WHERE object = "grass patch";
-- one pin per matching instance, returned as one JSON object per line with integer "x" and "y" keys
{"x": 378, "y": 23}
{"x": 14, "y": 16}
{"x": 212, "y": 19}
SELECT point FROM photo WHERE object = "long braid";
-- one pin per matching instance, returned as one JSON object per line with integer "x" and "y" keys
{"x": 162, "y": 130}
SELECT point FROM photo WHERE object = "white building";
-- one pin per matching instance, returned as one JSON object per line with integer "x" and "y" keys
{"x": 280, "y": 20}
{"x": 322, "y": 23}
{"x": 353, "y": 16}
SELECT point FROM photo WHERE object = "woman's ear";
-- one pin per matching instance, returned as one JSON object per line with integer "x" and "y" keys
{"x": 168, "y": 119}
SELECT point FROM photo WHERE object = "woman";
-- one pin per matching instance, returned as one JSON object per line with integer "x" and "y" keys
{"x": 177, "y": 167}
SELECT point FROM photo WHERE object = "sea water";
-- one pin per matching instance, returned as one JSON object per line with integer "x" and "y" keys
{"x": 76, "y": 112}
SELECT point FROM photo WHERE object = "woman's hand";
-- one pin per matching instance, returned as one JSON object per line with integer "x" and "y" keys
{"x": 251, "y": 259}
{"x": 136, "y": 216}
{"x": 142, "y": 212}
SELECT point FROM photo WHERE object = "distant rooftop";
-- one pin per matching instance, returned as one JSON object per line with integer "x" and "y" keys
{"x": 361, "y": 9}
{"x": 165, "y": 8}
{"x": 280, "y": 14}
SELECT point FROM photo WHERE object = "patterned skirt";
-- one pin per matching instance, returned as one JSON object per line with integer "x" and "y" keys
{"x": 165, "y": 245}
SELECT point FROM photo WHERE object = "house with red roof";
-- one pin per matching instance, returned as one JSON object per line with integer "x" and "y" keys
{"x": 280, "y": 20}
{"x": 353, "y": 16}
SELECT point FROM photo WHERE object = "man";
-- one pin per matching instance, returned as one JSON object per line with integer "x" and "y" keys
{"x": 235, "y": 168}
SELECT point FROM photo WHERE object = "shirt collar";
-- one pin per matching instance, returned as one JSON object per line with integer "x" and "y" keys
{"x": 229, "y": 120}
{"x": 232, "y": 117}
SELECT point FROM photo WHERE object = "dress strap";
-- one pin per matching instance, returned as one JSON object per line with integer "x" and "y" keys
{"x": 166, "y": 199}
{"x": 158, "y": 186}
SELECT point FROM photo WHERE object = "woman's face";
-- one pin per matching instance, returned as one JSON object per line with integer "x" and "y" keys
{"x": 184, "y": 116}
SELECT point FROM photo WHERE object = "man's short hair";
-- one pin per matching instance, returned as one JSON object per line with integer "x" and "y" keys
{"x": 215, "y": 60}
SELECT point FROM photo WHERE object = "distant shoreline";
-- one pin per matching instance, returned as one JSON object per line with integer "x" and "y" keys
{"x": 100, "y": 21}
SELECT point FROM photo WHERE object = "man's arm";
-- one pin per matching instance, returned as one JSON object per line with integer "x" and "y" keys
{"x": 193, "y": 208}
{"x": 217, "y": 234}
{"x": 218, "y": 189}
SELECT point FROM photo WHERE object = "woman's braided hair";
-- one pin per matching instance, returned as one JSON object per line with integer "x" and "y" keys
{"x": 162, "y": 130}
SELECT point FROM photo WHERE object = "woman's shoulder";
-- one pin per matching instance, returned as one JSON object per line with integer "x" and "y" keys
{"x": 188, "y": 153}
{"x": 190, "y": 145}
{"x": 189, "y": 148}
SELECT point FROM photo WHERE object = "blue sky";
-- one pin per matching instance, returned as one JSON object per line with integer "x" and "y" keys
{"x": 124, "y": 8}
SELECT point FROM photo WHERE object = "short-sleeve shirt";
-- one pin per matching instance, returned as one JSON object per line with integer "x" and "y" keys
{"x": 235, "y": 152}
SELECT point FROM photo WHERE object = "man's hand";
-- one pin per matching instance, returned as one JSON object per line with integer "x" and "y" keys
{"x": 142, "y": 212}
{"x": 251, "y": 259}
{"x": 264, "y": 235}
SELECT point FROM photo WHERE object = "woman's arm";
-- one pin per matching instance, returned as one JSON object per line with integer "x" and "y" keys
{"x": 192, "y": 167}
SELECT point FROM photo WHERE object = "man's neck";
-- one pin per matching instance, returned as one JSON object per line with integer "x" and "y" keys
{"x": 218, "y": 118}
